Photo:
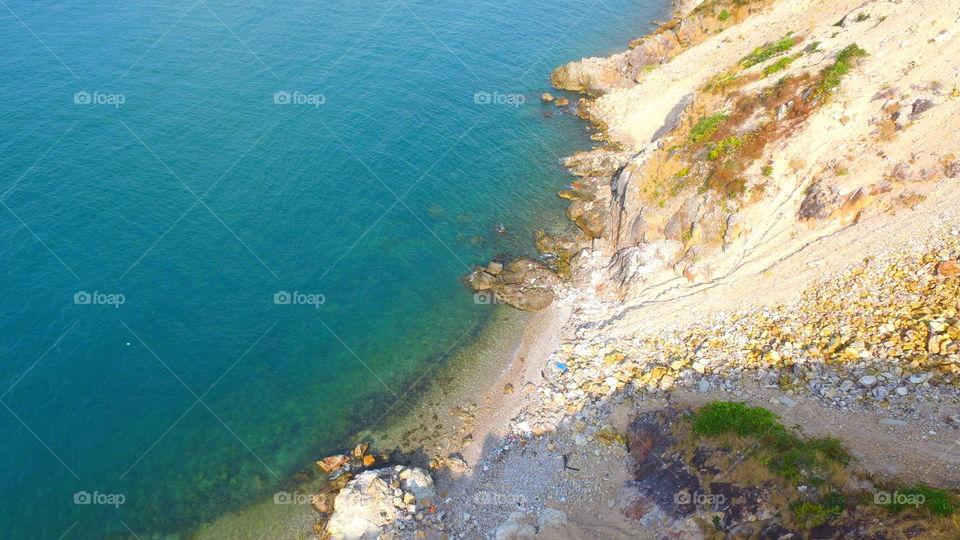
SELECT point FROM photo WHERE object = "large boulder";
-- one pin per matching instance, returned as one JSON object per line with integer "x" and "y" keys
{"x": 368, "y": 506}
{"x": 524, "y": 283}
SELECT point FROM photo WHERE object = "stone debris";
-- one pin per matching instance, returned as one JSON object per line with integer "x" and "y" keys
{"x": 883, "y": 335}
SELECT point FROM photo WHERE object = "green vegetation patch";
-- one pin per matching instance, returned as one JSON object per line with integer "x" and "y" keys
{"x": 719, "y": 417}
{"x": 768, "y": 51}
{"x": 937, "y": 501}
{"x": 779, "y": 65}
{"x": 724, "y": 147}
{"x": 706, "y": 127}
{"x": 784, "y": 452}
{"x": 833, "y": 75}
{"x": 724, "y": 15}
{"x": 811, "y": 514}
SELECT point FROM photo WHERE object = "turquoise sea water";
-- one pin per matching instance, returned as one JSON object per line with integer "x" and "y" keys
{"x": 169, "y": 167}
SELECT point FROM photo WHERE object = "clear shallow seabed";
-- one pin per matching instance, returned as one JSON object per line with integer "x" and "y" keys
{"x": 191, "y": 159}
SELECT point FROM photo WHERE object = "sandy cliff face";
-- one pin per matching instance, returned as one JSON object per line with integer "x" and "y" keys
{"x": 746, "y": 130}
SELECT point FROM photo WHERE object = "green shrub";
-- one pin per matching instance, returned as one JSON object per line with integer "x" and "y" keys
{"x": 706, "y": 127}
{"x": 779, "y": 65}
{"x": 813, "y": 514}
{"x": 724, "y": 15}
{"x": 719, "y": 417}
{"x": 833, "y": 75}
{"x": 724, "y": 147}
{"x": 938, "y": 502}
{"x": 768, "y": 51}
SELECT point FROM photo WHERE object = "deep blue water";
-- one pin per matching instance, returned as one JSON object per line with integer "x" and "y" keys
{"x": 145, "y": 152}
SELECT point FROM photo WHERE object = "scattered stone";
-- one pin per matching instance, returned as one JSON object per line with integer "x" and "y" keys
{"x": 332, "y": 463}
{"x": 787, "y": 401}
{"x": 892, "y": 422}
{"x": 562, "y": 102}
{"x": 515, "y": 528}
{"x": 948, "y": 269}
{"x": 868, "y": 380}
{"x": 508, "y": 388}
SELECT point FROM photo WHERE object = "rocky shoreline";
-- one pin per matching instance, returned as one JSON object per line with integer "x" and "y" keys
{"x": 769, "y": 218}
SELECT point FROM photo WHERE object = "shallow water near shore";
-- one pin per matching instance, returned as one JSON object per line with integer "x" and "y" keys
{"x": 170, "y": 171}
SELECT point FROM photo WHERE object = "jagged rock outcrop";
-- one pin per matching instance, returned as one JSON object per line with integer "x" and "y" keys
{"x": 597, "y": 76}
{"x": 632, "y": 266}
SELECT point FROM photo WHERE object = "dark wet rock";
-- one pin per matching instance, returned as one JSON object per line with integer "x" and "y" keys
{"x": 776, "y": 531}
{"x": 915, "y": 531}
{"x": 820, "y": 202}
{"x": 740, "y": 504}
{"x": 827, "y": 531}
{"x": 921, "y": 106}
{"x": 524, "y": 283}
{"x": 660, "y": 476}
